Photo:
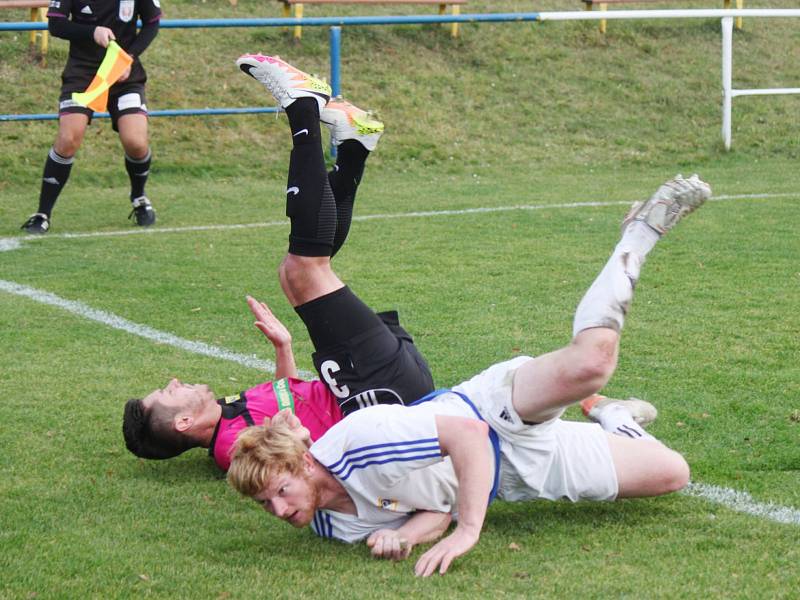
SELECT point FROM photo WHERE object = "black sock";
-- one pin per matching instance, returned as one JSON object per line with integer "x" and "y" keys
{"x": 309, "y": 200}
{"x": 303, "y": 116}
{"x": 54, "y": 178}
{"x": 344, "y": 179}
{"x": 138, "y": 170}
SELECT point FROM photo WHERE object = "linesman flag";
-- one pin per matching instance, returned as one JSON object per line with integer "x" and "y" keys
{"x": 114, "y": 64}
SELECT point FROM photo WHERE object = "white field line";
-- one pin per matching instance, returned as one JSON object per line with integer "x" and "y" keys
{"x": 743, "y": 502}
{"x": 13, "y": 243}
{"x": 154, "y": 335}
{"x": 732, "y": 499}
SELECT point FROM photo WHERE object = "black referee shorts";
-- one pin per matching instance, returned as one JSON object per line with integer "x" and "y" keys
{"x": 123, "y": 99}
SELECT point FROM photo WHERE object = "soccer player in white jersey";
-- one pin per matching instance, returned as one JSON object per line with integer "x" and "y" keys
{"x": 396, "y": 475}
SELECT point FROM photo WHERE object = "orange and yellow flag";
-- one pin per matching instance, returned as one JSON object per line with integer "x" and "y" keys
{"x": 114, "y": 64}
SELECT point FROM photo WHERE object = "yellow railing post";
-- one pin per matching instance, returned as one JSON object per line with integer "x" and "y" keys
{"x": 739, "y": 4}
{"x": 298, "y": 13}
{"x": 39, "y": 14}
{"x": 603, "y": 22}
{"x": 32, "y": 35}
{"x": 45, "y": 42}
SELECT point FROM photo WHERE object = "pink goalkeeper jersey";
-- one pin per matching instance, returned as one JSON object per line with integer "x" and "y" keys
{"x": 311, "y": 401}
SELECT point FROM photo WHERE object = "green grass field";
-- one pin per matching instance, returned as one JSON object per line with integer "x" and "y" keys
{"x": 533, "y": 123}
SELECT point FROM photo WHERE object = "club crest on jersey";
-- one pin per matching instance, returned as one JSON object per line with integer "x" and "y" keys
{"x": 387, "y": 504}
{"x": 126, "y": 10}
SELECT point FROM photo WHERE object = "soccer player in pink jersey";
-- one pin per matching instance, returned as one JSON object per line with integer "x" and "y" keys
{"x": 181, "y": 416}
{"x": 363, "y": 358}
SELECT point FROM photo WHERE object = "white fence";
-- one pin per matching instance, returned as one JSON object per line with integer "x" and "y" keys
{"x": 726, "y": 16}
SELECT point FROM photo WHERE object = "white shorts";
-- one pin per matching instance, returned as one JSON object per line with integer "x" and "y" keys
{"x": 551, "y": 460}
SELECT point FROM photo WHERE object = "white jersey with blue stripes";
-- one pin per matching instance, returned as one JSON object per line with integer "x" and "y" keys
{"x": 388, "y": 459}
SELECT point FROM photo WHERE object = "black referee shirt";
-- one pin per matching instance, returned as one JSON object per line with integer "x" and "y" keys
{"x": 120, "y": 16}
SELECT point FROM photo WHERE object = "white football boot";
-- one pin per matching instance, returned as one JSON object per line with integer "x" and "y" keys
{"x": 676, "y": 198}
{"x": 283, "y": 81}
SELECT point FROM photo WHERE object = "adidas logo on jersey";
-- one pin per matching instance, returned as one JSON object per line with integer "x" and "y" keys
{"x": 86, "y": 10}
{"x": 506, "y": 416}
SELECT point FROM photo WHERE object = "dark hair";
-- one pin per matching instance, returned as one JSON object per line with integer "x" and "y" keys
{"x": 149, "y": 433}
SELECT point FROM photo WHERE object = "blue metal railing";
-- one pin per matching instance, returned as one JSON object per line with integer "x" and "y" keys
{"x": 335, "y": 23}
{"x": 314, "y": 21}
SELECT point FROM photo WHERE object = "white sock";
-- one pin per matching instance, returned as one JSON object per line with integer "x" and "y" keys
{"x": 616, "y": 419}
{"x": 607, "y": 300}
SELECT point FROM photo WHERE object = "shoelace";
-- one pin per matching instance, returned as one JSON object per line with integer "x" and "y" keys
{"x": 277, "y": 91}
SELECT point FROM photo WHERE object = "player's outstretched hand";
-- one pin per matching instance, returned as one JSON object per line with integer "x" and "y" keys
{"x": 444, "y": 552}
{"x": 388, "y": 543}
{"x": 268, "y": 323}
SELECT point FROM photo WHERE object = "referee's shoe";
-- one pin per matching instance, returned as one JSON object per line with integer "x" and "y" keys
{"x": 37, "y": 224}
{"x": 143, "y": 212}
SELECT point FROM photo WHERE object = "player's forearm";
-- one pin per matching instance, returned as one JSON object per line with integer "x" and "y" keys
{"x": 61, "y": 27}
{"x": 144, "y": 38}
{"x": 465, "y": 441}
{"x": 284, "y": 361}
{"x": 424, "y": 526}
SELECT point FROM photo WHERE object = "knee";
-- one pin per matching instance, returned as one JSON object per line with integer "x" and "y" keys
{"x": 296, "y": 269}
{"x": 293, "y": 268}
{"x": 136, "y": 149}
{"x": 596, "y": 358}
{"x": 674, "y": 472}
{"x": 68, "y": 142}
{"x": 296, "y": 273}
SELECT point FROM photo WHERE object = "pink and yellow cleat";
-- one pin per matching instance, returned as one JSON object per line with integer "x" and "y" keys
{"x": 283, "y": 81}
{"x": 348, "y": 122}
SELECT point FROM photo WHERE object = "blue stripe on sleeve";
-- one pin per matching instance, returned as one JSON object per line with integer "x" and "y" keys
{"x": 432, "y": 449}
{"x": 396, "y": 445}
{"x": 355, "y": 467}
